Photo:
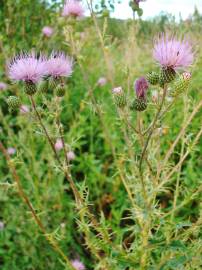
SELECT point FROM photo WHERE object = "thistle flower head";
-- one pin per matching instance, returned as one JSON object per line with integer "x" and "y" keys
{"x": 11, "y": 150}
{"x": 59, "y": 65}
{"x": 3, "y": 86}
{"x": 186, "y": 75}
{"x": 174, "y": 53}
{"x": 27, "y": 67}
{"x": 141, "y": 85}
{"x": 102, "y": 81}
{"x": 47, "y": 31}
{"x": 58, "y": 145}
{"x": 78, "y": 265}
{"x": 24, "y": 109}
{"x": 71, "y": 156}
{"x": 73, "y": 8}
{"x": 117, "y": 91}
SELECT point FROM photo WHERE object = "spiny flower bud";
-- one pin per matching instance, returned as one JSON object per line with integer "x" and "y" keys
{"x": 139, "y": 104}
{"x": 43, "y": 86}
{"x": 153, "y": 77}
{"x": 119, "y": 97}
{"x": 181, "y": 84}
{"x": 14, "y": 103}
{"x": 60, "y": 90}
{"x": 167, "y": 75}
{"x": 30, "y": 88}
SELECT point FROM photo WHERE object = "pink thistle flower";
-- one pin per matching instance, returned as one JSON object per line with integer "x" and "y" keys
{"x": 141, "y": 85}
{"x": 186, "y": 75}
{"x": 59, "y": 65}
{"x": 58, "y": 145}
{"x": 102, "y": 81}
{"x": 11, "y": 150}
{"x": 71, "y": 156}
{"x": 24, "y": 109}
{"x": 73, "y": 8}
{"x": 78, "y": 265}
{"x": 3, "y": 86}
{"x": 117, "y": 90}
{"x": 173, "y": 53}
{"x": 47, "y": 31}
{"x": 27, "y": 67}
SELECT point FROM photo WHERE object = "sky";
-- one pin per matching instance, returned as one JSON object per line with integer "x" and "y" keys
{"x": 154, "y": 7}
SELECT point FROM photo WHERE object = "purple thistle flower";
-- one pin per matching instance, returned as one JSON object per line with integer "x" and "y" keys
{"x": 27, "y": 67}
{"x": 70, "y": 155}
{"x": 59, "y": 65}
{"x": 141, "y": 85}
{"x": 24, "y": 109}
{"x": 58, "y": 145}
{"x": 11, "y": 151}
{"x": 3, "y": 86}
{"x": 73, "y": 8}
{"x": 78, "y": 265}
{"x": 102, "y": 81}
{"x": 173, "y": 53}
{"x": 47, "y": 31}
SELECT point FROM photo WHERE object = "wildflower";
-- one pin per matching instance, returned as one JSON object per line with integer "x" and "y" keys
{"x": 3, "y": 86}
{"x": 119, "y": 97}
{"x": 71, "y": 156}
{"x": 28, "y": 68}
{"x": 47, "y": 31}
{"x": 141, "y": 86}
{"x": 11, "y": 150}
{"x": 73, "y": 8}
{"x": 24, "y": 109}
{"x": 173, "y": 53}
{"x": 78, "y": 265}
{"x": 58, "y": 144}
{"x": 102, "y": 81}
{"x": 59, "y": 65}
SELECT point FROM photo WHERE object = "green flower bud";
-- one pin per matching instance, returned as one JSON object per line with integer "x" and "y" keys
{"x": 119, "y": 97}
{"x": 14, "y": 103}
{"x": 60, "y": 90}
{"x": 30, "y": 88}
{"x": 167, "y": 75}
{"x": 181, "y": 84}
{"x": 139, "y": 104}
{"x": 153, "y": 78}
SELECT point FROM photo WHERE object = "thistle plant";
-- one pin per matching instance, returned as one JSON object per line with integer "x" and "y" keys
{"x": 109, "y": 153}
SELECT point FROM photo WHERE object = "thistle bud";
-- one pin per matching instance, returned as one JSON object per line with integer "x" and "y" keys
{"x": 30, "y": 88}
{"x": 167, "y": 75}
{"x": 181, "y": 84}
{"x": 139, "y": 104}
{"x": 119, "y": 97}
{"x": 43, "y": 86}
{"x": 153, "y": 78}
{"x": 14, "y": 103}
{"x": 60, "y": 90}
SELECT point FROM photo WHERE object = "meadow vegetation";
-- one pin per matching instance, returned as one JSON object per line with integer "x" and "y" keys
{"x": 99, "y": 198}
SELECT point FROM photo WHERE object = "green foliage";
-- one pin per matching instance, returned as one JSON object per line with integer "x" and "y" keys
{"x": 92, "y": 127}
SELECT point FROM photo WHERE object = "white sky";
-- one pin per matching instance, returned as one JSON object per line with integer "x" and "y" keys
{"x": 154, "y": 7}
